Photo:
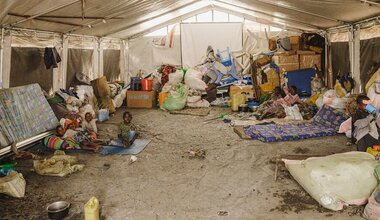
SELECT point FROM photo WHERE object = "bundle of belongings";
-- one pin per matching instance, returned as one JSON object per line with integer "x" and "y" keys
{"x": 58, "y": 165}
{"x": 339, "y": 180}
{"x": 285, "y": 104}
{"x": 72, "y": 104}
{"x": 183, "y": 88}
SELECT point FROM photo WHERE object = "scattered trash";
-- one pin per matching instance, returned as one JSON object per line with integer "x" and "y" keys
{"x": 197, "y": 152}
{"x": 91, "y": 209}
{"x": 20, "y": 154}
{"x": 132, "y": 159}
{"x": 6, "y": 168}
{"x": 13, "y": 185}
{"x": 58, "y": 165}
{"x": 222, "y": 213}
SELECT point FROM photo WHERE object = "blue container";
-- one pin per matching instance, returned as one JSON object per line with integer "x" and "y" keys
{"x": 302, "y": 80}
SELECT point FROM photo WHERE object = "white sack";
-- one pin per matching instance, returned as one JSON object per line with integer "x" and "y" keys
{"x": 336, "y": 180}
{"x": 193, "y": 99}
{"x": 200, "y": 104}
{"x": 193, "y": 79}
{"x": 292, "y": 112}
{"x": 176, "y": 78}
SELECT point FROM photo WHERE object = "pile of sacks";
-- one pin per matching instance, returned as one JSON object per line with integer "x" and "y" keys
{"x": 184, "y": 88}
{"x": 94, "y": 98}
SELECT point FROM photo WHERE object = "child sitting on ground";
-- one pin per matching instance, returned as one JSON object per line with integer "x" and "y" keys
{"x": 364, "y": 128}
{"x": 128, "y": 132}
{"x": 89, "y": 124}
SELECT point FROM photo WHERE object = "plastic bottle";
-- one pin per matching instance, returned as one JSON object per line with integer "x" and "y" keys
{"x": 91, "y": 209}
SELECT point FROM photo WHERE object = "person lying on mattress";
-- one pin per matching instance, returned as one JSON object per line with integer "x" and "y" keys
{"x": 364, "y": 128}
{"x": 70, "y": 139}
{"x": 274, "y": 107}
{"x": 128, "y": 131}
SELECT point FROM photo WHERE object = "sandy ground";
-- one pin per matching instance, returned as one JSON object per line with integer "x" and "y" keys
{"x": 234, "y": 181}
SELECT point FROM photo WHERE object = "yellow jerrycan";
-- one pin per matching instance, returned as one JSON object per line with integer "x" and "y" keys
{"x": 91, "y": 209}
{"x": 237, "y": 99}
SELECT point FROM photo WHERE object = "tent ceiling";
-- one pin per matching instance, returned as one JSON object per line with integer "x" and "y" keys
{"x": 122, "y": 19}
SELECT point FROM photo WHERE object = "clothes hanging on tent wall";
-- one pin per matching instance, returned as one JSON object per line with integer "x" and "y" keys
{"x": 51, "y": 58}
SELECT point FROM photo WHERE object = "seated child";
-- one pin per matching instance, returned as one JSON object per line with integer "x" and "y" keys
{"x": 128, "y": 132}
{"x": 89, "y": 124}
{"x": 364, "y": 128}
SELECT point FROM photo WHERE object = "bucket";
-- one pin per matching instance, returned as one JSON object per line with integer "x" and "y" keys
{"x": 146, "y": 84}
{"x": 135, "y": 83}
{"x": 161, "y": 98}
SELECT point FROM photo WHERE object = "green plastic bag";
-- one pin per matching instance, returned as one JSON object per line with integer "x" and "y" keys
{"x": 177, "y": 98}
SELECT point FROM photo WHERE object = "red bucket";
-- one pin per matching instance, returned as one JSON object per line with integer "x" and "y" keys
{"x": 146, "y": 84}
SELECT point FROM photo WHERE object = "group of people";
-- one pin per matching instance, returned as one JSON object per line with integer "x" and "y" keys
{"x": 278, "y": 99}
{"x": 365, "y": 124}
{"x": 82, "y": 134}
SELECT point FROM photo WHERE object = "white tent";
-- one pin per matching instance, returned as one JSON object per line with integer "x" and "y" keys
{"x": 97, "y": 29}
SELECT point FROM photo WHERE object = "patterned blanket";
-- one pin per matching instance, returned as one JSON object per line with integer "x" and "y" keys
{"x": 325, "y": 123}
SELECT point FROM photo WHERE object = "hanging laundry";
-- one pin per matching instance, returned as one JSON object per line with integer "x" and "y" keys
{"x": 51, "y": 58}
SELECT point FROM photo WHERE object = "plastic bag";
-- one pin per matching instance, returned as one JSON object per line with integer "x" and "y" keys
{"x": 58, "y": 165}
{"x": 292, "y": 112}
{"x": 372, "y": 209}
{"x": 193, "y": 79}
{"x": 336, "y": 180}
{"x": 193, "y": 99}
{"x": 199, "y": 104}
{"x": 329, "y": 96}
{"x": 103, "y": 115}
{"x": 13, "y": 185}
{"x": 177, "y": 98}
{"x": 176, "y": 78}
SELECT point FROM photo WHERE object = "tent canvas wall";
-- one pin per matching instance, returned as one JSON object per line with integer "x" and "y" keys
{"x": 99, "y": 27}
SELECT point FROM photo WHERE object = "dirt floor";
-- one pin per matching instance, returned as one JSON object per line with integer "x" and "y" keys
{"x": 233, "y": 181}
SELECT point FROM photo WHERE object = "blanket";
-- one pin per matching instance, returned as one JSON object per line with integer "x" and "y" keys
{"x": 325, "y": 123}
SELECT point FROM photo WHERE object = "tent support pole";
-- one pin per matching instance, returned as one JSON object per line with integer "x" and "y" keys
{"x": 370, "y": 2}
{"x": 44, "y": 12}
{"x": 354, "y": 47}
{"x": 1, "y": 57}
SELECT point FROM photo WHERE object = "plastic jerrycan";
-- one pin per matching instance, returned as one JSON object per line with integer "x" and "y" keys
{"x": 237, "y": 99}
{"x": 91, "y": 209}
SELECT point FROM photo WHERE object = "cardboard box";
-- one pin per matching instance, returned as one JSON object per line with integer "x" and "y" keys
{"x": 141, "y": 99}
{"x": 246, "y": 89}
{"x": 288, "y": 67}
{"x": 305, "y": 52}
{"x": 295, "y": 47}
{"x": 292, "y": 59}
{"x": 294, "y": 39}
{"x": 308, "y": 61}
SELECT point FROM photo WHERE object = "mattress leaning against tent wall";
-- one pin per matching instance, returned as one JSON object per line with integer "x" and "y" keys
{"x": 24, "y": 113}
